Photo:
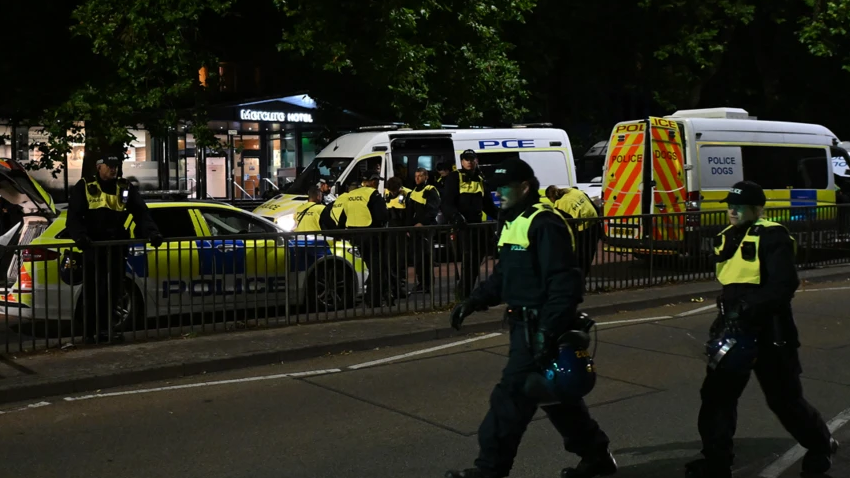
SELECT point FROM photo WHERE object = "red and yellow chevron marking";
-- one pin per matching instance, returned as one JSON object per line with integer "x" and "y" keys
{"x": 624, "y": 172}
{"x": 668, "y": 174}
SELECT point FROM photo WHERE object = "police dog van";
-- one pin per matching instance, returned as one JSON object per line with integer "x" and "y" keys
{"x": 686, "y": 163}
{"x": 391, "y": 151}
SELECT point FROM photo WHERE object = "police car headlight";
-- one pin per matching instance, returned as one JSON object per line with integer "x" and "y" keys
{"x": 287, "y": 223}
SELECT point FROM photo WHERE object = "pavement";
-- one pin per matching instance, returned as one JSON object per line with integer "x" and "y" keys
{"x": 413, "y": 409}
{"x": 37, "y": 373}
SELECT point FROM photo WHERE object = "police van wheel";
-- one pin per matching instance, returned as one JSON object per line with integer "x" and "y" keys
{"x": 330, "y": 287}
{"x": 135, "y": 307}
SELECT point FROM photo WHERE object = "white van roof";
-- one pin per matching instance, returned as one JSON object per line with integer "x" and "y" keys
{"x": 356, "y": 144}
{"x": 738, "y": 120}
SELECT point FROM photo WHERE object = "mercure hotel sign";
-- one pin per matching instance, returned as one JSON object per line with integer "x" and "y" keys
{"x": 281, "y": 116}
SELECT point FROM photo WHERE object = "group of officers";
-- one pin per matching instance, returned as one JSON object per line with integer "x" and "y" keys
{"x": 539, "y": 276}
{"x": 458, "y": 197}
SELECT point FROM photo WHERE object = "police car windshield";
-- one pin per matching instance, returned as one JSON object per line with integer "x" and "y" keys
{"x": 328, "y": 169}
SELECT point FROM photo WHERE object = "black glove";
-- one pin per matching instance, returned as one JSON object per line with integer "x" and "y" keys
{"x": 545, "y": 348}
{"x": 156, "y": 240}
{"x": 83, "y": 243}
{"x": 464, "y": 310}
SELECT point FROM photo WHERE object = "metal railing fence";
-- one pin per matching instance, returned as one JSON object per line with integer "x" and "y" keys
{"x": 52, "y": 294}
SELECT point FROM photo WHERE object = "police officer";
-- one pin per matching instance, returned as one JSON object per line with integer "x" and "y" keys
{"x": 539, "y": 280}
{"x": 307, "y": 215}
{"x": 424, "y": 203}
{"x": 464, "y": 197}
{"x": 755, "y": 264}
{"x": 97, "y": 211}
{"x": 577, "y": 204}
{"x": 364, "y": 209}
{"x": 397, "y": 197}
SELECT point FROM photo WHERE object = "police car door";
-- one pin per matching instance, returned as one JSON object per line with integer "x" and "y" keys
{"x": 241, "y": 260}
{"x": 169, "y": 274}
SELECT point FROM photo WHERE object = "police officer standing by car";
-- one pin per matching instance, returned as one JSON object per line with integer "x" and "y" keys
{"x": 97, "y": 211}
{"x": 307, "y": 215}
{"x": 424, "y": 202}
{"x": 364, "y": 209}
{"x": 464, "y": 197}
{"x": 538, "y": 278}
{"x": 755, "y": 331}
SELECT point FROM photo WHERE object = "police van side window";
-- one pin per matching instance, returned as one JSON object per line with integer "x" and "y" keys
{"x": 780, "y": 167}
{"x": 550, "y": 167}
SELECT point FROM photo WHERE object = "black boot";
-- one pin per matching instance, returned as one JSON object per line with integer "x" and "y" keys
{"x": 820, "y": 463}
{"x": 473, "y": 473}
{"x": 602, "y": 464}
{"x": 703, "y": 468}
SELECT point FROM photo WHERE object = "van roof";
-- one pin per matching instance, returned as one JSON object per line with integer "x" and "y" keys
{"x": 351, "y": 145}
{"x": 759, "y": 126}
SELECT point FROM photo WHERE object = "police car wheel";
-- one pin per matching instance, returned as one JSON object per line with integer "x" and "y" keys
{"x": 330, "y": 288}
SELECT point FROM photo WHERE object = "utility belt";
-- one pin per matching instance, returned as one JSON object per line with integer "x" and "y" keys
{"x": 528, "y": 316}
{"x": 767, "y": 324}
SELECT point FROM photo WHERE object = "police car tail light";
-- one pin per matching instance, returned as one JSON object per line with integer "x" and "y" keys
{"x": 37, "y": 255}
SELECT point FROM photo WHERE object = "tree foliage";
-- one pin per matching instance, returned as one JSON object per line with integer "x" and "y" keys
{"x": 436, "y": 58}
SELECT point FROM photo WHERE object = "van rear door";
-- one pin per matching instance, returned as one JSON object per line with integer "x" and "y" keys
{"x": 623, "y": 180}
{"x": 668, "y": 179}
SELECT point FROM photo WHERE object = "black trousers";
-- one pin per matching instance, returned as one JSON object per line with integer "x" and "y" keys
{"x": 778, "y": 371}
{"x": 511, "y": 411}
{"x": 469, "y": 250}
{"x": 103, "y": 285}
{"x": 422, "y": 246}
{"x": 376, "y": 261}
{"x": 587, "y": 243}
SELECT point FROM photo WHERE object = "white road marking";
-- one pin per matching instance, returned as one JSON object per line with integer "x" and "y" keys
{"x": 423, "y": 351}
{"x": 696, "y": 311}
{"x": 204, "y": 384}
{"x": 632, "y": 321}
{"x": 824, "y": 289}
{"x": 796, "y": 452}
{"x": 28, "y": 407}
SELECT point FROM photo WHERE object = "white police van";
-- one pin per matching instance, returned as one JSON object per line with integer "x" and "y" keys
{"x": 393, "y": 151}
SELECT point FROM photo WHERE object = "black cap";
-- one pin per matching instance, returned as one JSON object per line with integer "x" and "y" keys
{"x": 511, "y": 170}
{"x": 113, "y": 161}
{"x": 373, "y": 176}
{"x": 468, "y": 154}
{"x": 746, "y": 193}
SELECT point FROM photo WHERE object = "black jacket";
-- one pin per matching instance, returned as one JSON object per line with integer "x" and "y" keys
{"x": 469, "y": 205}
{"x": 768, "y": 305}
{"x": 545, "y": 276}
{"x": 105, "y": 224}
{"x": 425, "y": 214}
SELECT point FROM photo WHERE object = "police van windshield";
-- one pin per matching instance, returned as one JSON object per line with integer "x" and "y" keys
{"x": 328, "y": 169}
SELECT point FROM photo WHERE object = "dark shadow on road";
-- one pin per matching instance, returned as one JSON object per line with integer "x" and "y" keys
{"x": 752, "y": 456}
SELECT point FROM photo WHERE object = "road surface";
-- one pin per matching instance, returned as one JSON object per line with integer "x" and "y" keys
{"x": 405, "y": 412}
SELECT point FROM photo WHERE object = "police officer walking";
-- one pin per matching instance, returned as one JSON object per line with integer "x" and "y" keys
{"x": 97, "y": 211}
{"x": 755, "y": 264}
{"x": 540, "y": 281}
{"x": 464, "y": 198}
{"x": 577, "y": 204}
{"x": 397, "y": 197}
{"x": 363, "y": 208}
{"x": 424, "y": 205}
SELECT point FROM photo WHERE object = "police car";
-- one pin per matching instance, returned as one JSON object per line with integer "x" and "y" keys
{"x": 215, "y": 257}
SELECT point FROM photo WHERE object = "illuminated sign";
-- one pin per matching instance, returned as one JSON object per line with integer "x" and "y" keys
{"x": 256, "y": 115}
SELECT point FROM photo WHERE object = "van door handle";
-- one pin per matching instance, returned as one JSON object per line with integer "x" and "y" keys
{"x": 225, "y": 247}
